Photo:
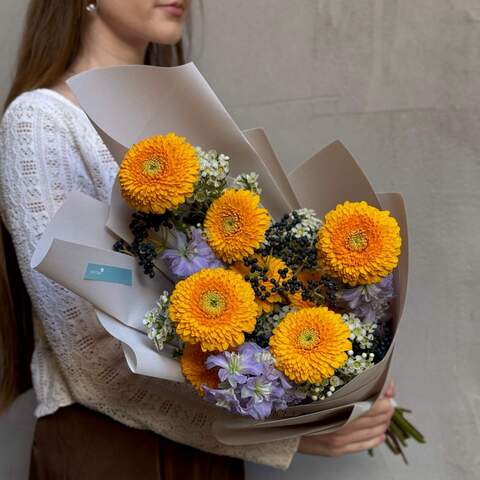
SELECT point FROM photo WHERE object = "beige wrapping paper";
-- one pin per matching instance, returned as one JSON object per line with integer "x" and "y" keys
{"x": 76, "y": 237}
{"x": 129, "y": 103}
{"x": 347, "y": 403}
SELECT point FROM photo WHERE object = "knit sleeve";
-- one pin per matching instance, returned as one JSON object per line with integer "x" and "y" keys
{"x": 75, "y": 360}
{"x": 38, "y": 167}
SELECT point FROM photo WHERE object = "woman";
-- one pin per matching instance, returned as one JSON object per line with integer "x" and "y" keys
{"x": 48, "y": 148}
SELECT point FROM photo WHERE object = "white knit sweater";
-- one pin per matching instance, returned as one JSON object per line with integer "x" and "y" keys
{"x": 48, "y": 148}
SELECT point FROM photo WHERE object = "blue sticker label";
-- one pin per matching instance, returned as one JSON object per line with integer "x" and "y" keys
{"x": 107, "y": 273}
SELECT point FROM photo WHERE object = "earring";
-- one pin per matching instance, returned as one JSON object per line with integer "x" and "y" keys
{"x": 91, "y": 8}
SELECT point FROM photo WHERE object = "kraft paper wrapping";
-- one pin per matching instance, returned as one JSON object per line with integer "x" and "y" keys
{"x": 129, "y": 103}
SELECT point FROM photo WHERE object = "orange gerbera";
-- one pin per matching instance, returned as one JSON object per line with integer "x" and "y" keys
{"x": 235, "y": 224}
{"x": 193, "y": 366}
{"x": 358, "y": 243}
{"x": 309, "y": 344}
{"x": 159, "y": 173}
{"x": 273, "y": 265}
{"x": 213, "y": 307}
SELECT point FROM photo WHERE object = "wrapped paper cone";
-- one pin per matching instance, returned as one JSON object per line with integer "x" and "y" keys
{"x": 77, "y": 237}
{"x": 370, "y": 384}
{"x": 140, "y": 354}
{"x": 331, "y": 177}
{"x": 259, "y": 141}
{"x": 130, "y": 103}
{"x": 76, "y": 252}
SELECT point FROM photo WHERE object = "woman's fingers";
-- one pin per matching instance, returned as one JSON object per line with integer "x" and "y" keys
{"x": 360, "y": 435}
{"x": 381, "y": 412}
{"x": 379, "y": 415}
{"x": 363, "y": 433}
{"x": 390, "y": 392}
{"x": 358, "y": 446}
{"x": 366, "y": 422}
{"x": 342, "y": 438}
{"x": 380, "y": 407}
{"x": 329, "y": 449}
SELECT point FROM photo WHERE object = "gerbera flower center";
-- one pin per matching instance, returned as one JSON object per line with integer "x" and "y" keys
{"x": 357, "y": 240}
{"x": 231, "y": 224}
{"x": 213, "y": 302}
{"x": 308, "y": 338}
{"x": 153, "y": 165}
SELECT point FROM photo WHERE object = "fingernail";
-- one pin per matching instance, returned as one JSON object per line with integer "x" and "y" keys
{"x": 391, "y": 389}
{"x": 393, "y": 402}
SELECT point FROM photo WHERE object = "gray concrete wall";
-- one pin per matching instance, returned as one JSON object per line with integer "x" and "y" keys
{"x": 11, "y": 17}
{"x": 397, "y": 82}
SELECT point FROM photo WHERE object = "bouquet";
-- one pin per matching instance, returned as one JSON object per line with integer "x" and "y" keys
{"x": 277, "y": 298}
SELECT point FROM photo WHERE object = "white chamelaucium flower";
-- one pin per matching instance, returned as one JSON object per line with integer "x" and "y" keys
{"x": 360, "y": 332}
{"x": 324, "y": 389}
{"x": 357, "y": 364}
{"x": 157, "y": 322}
{"x": 248, "y": 181}
{"x": 336, "y": 381}
{"x": 308, "y": 224}
{"x": 214, "y": 170}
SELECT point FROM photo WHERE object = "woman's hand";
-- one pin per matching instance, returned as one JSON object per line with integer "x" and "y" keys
{"x": 367, "y": 431}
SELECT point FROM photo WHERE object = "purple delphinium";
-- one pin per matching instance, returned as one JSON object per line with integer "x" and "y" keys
{"x": 234, "y": 367}
{"x": 189, "y": 257}
{"x": 369, "y": 302}
{"x": 249, "y": 382}
{"x": 222, "y": 397}
{"x": 259, "y": 394}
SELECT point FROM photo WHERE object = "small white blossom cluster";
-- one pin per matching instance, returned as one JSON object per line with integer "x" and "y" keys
{"x": 356, "y": 364}
{"x": 267, "y": 322}
{"x": 248, "y": 181}
{"x": 157, "y": 322}
{"x": 325, "y": 389}
{"x": 360, "y": 332}
{"x": 214, "y": 169}
{"x": 307, "y": 223}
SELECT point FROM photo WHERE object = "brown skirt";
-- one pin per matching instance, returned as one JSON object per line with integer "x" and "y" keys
{"x": 76, "y": 443}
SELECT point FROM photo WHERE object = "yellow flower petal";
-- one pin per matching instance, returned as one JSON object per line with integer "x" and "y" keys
{"x": 235, "y": 224}
{"x": 213, "y": 307}
{"x": 159, "y": 173}
{"x": 309, "y": 344}
{"x": 358, "y": 243}
{"x": 193, "y": 366}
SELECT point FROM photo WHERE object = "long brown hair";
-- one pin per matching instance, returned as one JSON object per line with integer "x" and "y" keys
{"x": 50, "y": 42}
